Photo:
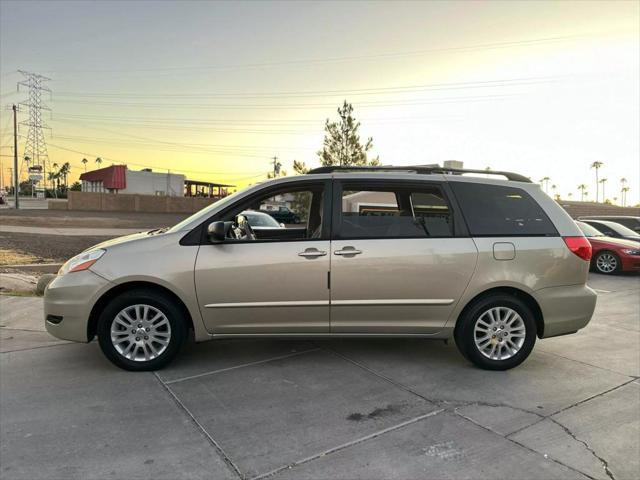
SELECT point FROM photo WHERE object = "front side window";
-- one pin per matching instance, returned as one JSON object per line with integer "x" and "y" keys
{"x": 495, "y": 210}
{"x": 293, "y": 213}
{"x": 383, "y": 212}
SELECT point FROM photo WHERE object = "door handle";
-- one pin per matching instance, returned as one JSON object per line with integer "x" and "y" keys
{"x": 348, "y": 251}
{"x": 312, "y": 253}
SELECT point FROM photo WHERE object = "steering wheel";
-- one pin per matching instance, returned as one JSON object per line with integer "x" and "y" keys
{"x": 241, "y": 230}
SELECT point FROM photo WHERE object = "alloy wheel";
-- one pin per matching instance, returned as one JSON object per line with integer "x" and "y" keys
{"x": 606, "y": 263}
{"x": 499, "y": 333}
{"x": 140, "y": 332}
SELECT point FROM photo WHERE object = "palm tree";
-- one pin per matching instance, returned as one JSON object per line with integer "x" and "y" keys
{"x": 583, "y": 191}
{"x": 98, "y": 161}
{"x": 603, "y": 181}
{"x": 64, "y": 172}
{"x": 624, "y": 195}
{"x": 545, "y": 183}
{"x": 53, "y": 177}
{"x": 84, "y": 162}
{"x": 554, "y": 189}
{"x": 570, "y": 195}
{"x": 597, "y": 166}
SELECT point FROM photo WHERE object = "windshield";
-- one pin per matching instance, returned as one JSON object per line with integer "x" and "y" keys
{"x": 588, "y": 230}
{"x": 620, "y": 229}
{"x": 257, "y": 219}
{"x": 218, "y": 203}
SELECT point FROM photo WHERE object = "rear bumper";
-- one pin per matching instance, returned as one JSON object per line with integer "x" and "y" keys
{"x": 565, "y": 309}
{"x": 68, "y": 301}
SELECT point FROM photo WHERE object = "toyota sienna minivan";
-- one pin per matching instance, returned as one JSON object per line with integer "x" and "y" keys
{"x": 387, "y": 251}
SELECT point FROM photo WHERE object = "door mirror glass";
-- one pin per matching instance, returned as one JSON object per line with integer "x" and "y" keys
{"x": 216, "y": 232}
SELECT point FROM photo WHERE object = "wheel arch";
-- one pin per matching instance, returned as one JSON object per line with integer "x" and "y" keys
{"x": 527, "y": 298}
{"x": 112, "y": 293}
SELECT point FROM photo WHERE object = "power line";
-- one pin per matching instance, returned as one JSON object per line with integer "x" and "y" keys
{"x": 322, "y": 93}
{"x": 300, "y": 62}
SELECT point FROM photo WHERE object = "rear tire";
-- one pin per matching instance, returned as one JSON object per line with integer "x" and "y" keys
{"x": 496, "y": 332}
{"x": 607, "y": 263}
{"x": 141, "y": 330}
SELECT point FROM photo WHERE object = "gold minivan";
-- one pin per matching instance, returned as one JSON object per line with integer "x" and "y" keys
{"x": 387, "y": 251}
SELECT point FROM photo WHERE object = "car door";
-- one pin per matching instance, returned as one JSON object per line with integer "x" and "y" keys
{"x": 400, "y": 258}
{"x": 272, "y": 285}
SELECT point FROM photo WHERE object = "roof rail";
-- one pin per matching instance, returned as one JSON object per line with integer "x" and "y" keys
{"x": 422, "y": 169}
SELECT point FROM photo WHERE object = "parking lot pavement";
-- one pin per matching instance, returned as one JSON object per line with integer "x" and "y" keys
{"x": 325, "y": 409}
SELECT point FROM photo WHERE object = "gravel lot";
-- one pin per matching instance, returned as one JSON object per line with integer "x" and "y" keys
{"x": 357, "y": 409}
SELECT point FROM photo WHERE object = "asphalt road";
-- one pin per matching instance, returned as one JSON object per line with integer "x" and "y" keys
{"x": 394, "y": 409}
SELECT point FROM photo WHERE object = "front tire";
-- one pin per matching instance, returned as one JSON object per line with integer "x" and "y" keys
{"x": 497, "y": 332}
{"x": 141, "y": 330}
{"x": 607, "y": 263}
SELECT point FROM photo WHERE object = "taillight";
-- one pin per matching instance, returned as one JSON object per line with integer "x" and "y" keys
{"x": 580, "y": 246}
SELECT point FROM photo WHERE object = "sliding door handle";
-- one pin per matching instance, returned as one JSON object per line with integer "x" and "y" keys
{"x": 312, "y": 253}
{"x": 348, "y": 251}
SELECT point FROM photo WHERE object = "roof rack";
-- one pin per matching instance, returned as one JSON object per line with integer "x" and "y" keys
{"x": 421, "y": 169}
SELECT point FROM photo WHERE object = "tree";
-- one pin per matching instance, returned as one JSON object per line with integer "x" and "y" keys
{"x": 341, "y": 145}
{"x": 583, "y": 191}
{"x": 75, "y": 187}
{"x": 64, "y": 173}
{"x": 98, "y": 161}
{"x": 597, "y": 166}
{"x": 624, "y": 195}
{"x": 603, "y": 181}
{"x": 545, "y": 182}
{"x": 53, "y": 177}
{"x": 84, "y": 162}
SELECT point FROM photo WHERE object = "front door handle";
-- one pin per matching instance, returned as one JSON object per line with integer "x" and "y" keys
{"x": 312, "y": 253}
{"x": 348, "y": 251}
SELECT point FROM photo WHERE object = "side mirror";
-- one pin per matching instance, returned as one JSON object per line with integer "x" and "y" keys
{"x": 217, "y": 232}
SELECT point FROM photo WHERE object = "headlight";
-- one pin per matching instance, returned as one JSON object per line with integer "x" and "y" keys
{"x": 81, "y": 262}
{"x": 631, "y": 251}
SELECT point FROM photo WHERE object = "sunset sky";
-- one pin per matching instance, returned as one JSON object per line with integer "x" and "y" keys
{"x": 214, "y": 90}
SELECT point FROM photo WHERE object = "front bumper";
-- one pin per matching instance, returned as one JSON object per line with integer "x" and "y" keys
{"x": 565, "y": 309}
{"x": 630, "y": 263}
{"x": 68, "y": 301}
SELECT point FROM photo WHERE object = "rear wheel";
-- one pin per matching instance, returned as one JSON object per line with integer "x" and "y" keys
{"x": 497, "y": 332}
{"x": 607, "y": 263}
{"x": 141, "y": 330}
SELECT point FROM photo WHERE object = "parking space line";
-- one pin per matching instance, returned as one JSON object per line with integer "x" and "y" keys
{"x": 211, "y": 440}
{"x": 257, "y": 362}
{"x": 348, "y": 444}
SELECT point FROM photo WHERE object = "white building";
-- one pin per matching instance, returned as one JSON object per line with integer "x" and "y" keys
{"x": 119, "y": 179}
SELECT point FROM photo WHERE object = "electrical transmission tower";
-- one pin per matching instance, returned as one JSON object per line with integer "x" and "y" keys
{"x": 35, "y": 147}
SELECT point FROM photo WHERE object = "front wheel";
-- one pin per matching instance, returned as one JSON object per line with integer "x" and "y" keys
{"x": 141, "y": 330}
{"x": 498, "y": 332}
{"x": 607, "y": 263}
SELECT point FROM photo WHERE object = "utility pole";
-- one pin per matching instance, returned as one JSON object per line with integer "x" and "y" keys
{"x": 16, "y": 181}
{"x": 276, "y": 167}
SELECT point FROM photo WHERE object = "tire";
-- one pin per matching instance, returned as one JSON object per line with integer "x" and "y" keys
{"x": 506, "y": 348}
{"x": 607, "y": 263}
{"x": 163, "y": 327}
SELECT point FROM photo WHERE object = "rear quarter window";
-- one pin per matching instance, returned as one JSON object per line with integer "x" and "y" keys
{"x": 493, "y": 210}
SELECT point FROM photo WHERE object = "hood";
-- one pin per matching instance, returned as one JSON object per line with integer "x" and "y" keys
{"x": 618, "y": 242}
{"x": 125, "y": 239}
